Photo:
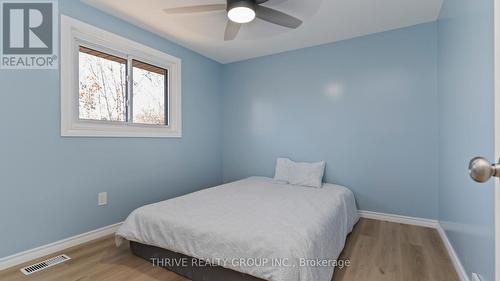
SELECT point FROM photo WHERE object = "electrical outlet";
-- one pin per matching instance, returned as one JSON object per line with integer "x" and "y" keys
{"x": 102, "y": 198}
{"x": 476, "y": 277}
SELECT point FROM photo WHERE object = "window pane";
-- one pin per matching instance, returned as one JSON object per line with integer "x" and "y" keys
{"x": 102, "y": 86}
{"x": 149, "y": 90}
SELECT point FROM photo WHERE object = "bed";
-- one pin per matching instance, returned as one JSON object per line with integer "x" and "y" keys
{"x": 252, "y": 229}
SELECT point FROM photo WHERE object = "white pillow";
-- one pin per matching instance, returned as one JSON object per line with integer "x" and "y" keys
{"x": 306, "y": 174}
{"x": 281, "y": 173}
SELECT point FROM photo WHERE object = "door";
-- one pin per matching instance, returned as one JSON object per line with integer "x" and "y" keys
{"x": 497, "y": 135}
{"x": 480, "y": 168}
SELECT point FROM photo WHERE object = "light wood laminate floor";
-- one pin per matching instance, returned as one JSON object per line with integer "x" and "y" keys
{"x": 377, "y": 251}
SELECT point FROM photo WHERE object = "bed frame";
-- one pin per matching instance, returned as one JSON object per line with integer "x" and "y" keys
{"x": 191, "y": 271}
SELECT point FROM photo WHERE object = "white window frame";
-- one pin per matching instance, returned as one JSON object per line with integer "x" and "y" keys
{"x": 75, "y": 33}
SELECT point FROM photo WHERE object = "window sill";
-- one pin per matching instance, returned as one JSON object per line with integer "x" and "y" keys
{"x": 90, "y": 129}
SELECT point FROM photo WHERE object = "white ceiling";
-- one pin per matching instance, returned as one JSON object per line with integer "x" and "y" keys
{"x": 325, "y": 21}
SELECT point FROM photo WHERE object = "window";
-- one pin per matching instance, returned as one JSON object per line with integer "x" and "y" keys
{"x": 104, "y": 95}
{"x": 114, "y": 87}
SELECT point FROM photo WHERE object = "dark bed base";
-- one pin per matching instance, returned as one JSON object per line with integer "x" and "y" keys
{"x": 189, "y": 269}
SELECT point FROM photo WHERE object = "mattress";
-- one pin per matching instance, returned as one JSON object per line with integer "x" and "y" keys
{"x": 270, "y": 230}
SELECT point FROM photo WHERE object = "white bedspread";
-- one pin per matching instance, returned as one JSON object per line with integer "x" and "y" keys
{"x": 254, "y": 220}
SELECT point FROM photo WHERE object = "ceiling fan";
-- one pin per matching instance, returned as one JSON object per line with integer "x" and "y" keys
{"x": 240, "y": 12}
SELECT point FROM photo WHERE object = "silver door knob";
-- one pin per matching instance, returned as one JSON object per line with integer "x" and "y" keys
{"x": 481, "y": 170}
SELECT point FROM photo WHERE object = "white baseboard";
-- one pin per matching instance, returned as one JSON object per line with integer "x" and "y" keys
{"x": 51, "y": 248}
{"x": 425, "y": 223}
{"x": 462, "y": 274}
{"x": 399, "y": 219}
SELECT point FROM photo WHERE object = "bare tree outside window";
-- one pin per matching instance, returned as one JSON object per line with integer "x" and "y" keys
{"x": 149, "y": 85}
{"x": 102, "y": 86}
{"x": 103, "y": 89}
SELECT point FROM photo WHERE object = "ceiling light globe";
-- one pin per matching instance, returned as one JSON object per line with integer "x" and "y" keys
{"x": 241, "y": 14}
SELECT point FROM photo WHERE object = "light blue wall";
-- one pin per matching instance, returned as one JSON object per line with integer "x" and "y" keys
{"x": 49, "y": 184}
{"x": 466, "y": 96}
{"x": 367, "y": 106}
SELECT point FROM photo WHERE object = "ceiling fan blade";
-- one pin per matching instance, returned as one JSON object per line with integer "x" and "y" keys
{"x": 232, "y": 29}
{"x": 196, "y": 9}
{"x": 277, "y": 17}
